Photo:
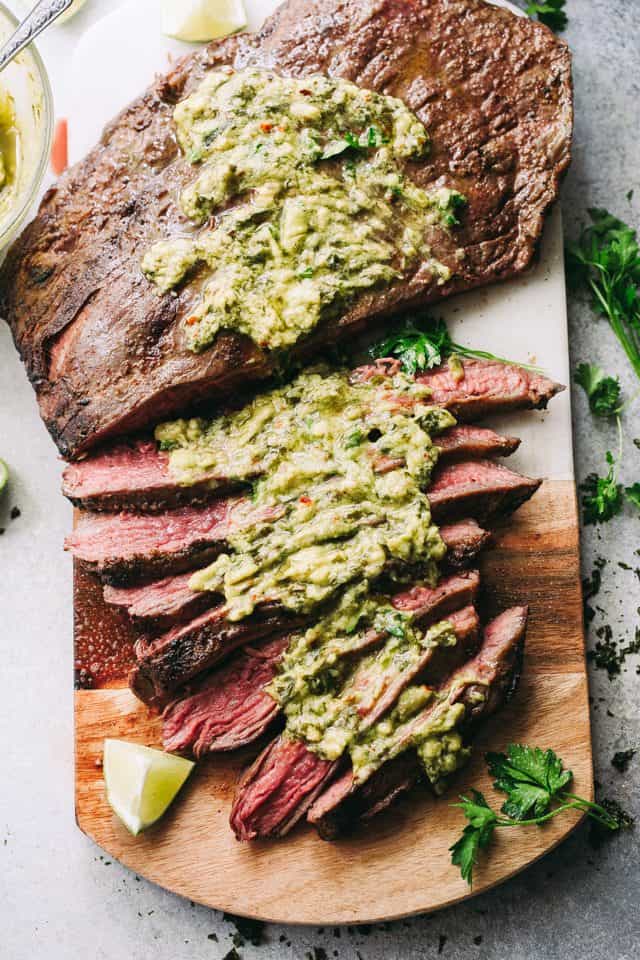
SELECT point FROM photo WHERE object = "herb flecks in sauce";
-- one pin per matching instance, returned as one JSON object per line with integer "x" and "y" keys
{"x": 305, "y": 198}
{"x": 341, "y": 468}
{"x": 340, "y": 512}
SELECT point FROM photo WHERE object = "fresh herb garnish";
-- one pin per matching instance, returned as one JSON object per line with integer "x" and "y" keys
{"x": 601, "y": 496}
{"x": 549, "y": 12}
{"x": 603, "y": 392}
{"x": 606, "y": 260}
{"x": 535, "y": 782}
{"x": 420, "y": 343}
{"x": 306, "y": 274}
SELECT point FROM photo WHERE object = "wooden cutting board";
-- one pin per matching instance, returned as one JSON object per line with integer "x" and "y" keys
{"x": 400, "y": 864}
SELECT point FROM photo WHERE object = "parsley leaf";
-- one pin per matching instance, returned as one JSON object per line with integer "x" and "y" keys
{"x": 602, "y": 496}
{"x": 475, "y": 836}
{"x": 421, "y": 344}
{"x": 602, "y": 391}
{"x": 550, "y": 12}
{"x": 534, "y": 780}
{"x": 530, "y": 777}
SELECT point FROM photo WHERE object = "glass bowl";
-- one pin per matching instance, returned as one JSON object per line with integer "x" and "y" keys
{"x": 25, "y": 79}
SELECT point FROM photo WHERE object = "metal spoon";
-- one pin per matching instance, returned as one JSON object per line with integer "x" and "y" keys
{"x": 44, "y": 13}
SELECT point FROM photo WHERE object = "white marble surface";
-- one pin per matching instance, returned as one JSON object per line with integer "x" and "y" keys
{"x": 61, "y": 898}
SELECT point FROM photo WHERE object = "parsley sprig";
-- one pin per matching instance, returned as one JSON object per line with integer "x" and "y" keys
{"x": 603, "y": 497}
{"x": 535, "y": 782}
{"x": 420, "y": 343}
{"x": 549, "y": 12}
{"x": 606, "y": 260}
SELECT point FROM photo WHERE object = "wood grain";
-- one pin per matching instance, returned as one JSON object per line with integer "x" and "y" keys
{"x": 400, "y": 863}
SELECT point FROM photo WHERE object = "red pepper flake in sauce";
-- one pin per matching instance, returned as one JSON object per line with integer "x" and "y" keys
{"x": 306, "y": 500}
{"x": 191, "y": 320}
{"x": 266, "y": 127}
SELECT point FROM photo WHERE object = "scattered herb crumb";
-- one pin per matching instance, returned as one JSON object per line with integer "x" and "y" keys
{"x": 212, "y": 936}
{"x": 232, "y": 955}
{"x": 246, "y": 930}
{"x": 441, "y": 942}
{"x": 622, "y": 758}
{"x": 15, "y": 513}
{"x": 477, "y": 940}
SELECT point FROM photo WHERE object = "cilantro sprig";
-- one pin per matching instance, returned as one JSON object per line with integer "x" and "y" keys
{"x": 420, "y": 343}
{"x": 549, "y": 12}
{"x": 535, "y": 782}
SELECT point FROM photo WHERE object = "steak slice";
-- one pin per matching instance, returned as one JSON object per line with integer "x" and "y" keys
{"x": 105, "y": 350}
{"x": 488, "y": 387}
{"x": 124, "y": 547}
{"x": 165, "y": 602}
{"x": 131, "y": 476}
{"x": 171, "y": 660}
{"x": 161, "y": 603}
{"x": 464, "y": 539}
{"x": 230, "y": 706}
{"x": 135, "y": 476}
{"x": 464, "y": 442}
{"x": 127, "y": 546}
{"x": 495, "y": 668}
{"x": 478, "y": 488}
{"x": 280, "y": 786}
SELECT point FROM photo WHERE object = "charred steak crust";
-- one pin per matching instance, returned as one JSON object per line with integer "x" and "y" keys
{"x": 103, "y": 348}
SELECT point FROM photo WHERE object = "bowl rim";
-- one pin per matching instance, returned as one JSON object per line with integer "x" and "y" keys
{"x": 10, "y": 227}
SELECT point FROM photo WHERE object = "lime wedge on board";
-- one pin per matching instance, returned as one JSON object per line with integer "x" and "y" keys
{"x": 198, "y": 20}
{"x": 141, "y": 782}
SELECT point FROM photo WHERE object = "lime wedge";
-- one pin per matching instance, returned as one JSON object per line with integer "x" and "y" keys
{"x": 4, "y": 475}
{"x": 195, "y": 20}
{"x": 71, "y": 12}
{"x": 141, "y": 782}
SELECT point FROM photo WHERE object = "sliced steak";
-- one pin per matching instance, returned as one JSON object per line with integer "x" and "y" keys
{"x": 465, "y": 540}
{"x": 488, "y": 387}
{"x": 278, "y": 789}
{"x": 161, "y": 603}
{"x": 105, "y": 350}
{"x": 132, "y": 476}
{"x": 174, "y": 658}
{"x": 124, "y": 547}
{"x": 274, "y": 795}
{"x": 171, "y": 660}
{"x": 210, "y": 717}
{"x": 135, "y": 476}
{"x": 230, "y": 708}
{"x": 482, "y": 684}
{"x": 478, "y": 488}
{"x": 464, "y": 442}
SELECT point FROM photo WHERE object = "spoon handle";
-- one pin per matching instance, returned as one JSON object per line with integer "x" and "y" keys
{"x": 44, "y": 13}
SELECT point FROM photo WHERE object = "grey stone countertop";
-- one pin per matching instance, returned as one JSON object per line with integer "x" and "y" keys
{"x": 61, "y": 898}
